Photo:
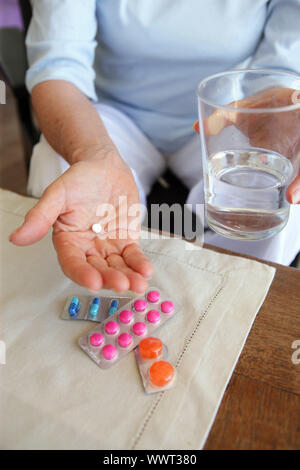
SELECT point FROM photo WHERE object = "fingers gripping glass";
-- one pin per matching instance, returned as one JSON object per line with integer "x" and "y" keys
{"x": 249, "y": 123}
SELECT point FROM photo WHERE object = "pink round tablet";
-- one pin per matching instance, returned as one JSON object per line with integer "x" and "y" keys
{"x": 111, "y": 327}
{"x": 96, "y": 339}
{"x": 125, "y": 340}
{"x": 140, "y": 305}
{"x": 167, "y": 306}
{"x": 109, "y": 352}
{"x": 139, "y": 328}
{"x": 153, "y": 296}
{"x": 153, "y": 316}
{"x": 125, "y": 316}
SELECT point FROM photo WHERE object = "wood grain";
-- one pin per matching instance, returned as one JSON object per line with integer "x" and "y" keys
{"x": 261, "y": 406}
{"x": 254, "y": 415}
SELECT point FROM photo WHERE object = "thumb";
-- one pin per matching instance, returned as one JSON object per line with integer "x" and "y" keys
{"x": 40, "y": 218}
{"x": 215, "y": 123}
{"x": 293, "y": 191}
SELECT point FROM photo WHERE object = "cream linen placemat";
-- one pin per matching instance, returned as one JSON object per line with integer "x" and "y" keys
{"x": 54, "y": 397}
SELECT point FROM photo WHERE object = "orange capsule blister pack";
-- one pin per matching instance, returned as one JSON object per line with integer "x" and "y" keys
{"x": 156, "y": 372}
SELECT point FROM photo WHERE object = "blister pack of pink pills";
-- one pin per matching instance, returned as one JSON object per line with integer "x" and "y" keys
{"x": 156, "y": 372}
{"x": 119, "y": 334}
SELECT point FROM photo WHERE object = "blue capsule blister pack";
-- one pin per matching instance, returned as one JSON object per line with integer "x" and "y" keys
{"x": 92, "y": 308}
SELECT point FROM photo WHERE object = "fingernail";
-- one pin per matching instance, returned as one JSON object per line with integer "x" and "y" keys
{"x": 12, "y": 234}
{"x": 93, "y": 292}
{"x": 196, "y": 127}
{"x": 148, "y": 275}
{"x": 16, "y": 230}
{"x": 296, "y": 196}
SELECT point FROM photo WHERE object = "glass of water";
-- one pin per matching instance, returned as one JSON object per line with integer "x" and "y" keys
{"x": 249, "y": 122}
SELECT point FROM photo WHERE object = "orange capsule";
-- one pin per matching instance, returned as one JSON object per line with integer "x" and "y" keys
{"x": 161, "y": 373}
{"x": 150, "y": 348}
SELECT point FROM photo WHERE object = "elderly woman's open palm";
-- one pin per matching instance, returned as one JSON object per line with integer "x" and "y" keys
{"x": 72, "y": 204}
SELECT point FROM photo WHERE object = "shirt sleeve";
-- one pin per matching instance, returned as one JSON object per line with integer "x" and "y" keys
{"x": 280, "y": 45}
{"x": 61, "y": 43}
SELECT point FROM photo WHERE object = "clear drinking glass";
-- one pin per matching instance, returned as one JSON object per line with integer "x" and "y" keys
{"x": 249, "y": 122}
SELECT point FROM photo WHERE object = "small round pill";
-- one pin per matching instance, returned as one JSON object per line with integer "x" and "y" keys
{"x": 109, "y": 352}
{"x": 125, "y": 340}
{"x": 111, "y": 327}
{"x": 139, "y": 328}
{"x": 153, "y": 316}
{"x": 97, "y": 228}
{"x": 96, "y": 339}
{"x": 161, "y": 373}
{"x": 167, "y": 306}
{"x": 140, "y": 305}
{"x": 125, "y": 316}
{"x": 153, "y": 296}
{"x": 150, "y": 348}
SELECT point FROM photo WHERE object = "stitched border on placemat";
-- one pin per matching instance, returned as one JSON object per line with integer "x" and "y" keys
{"x": 160, "y": 395}
{"x": 182, "y": 262}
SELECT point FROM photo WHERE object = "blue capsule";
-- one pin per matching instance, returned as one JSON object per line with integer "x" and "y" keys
{"x": 74, "y": 307}
{"x": 113, "y": 307}
{"x": 94, "y": 308}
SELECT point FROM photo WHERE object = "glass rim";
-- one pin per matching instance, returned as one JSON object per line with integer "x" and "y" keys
{"x": 290, "y": 107}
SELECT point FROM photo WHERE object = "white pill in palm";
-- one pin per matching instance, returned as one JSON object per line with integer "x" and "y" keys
{"x": 97, "y": 228}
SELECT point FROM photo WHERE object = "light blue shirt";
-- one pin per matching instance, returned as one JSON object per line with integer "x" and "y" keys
{"x": 146, "y": 57}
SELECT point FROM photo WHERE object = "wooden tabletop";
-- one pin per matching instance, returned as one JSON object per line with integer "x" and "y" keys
{"x": 261, "y": 405}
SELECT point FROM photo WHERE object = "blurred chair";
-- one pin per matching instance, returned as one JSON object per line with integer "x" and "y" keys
{"x": 13, "y": 65}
